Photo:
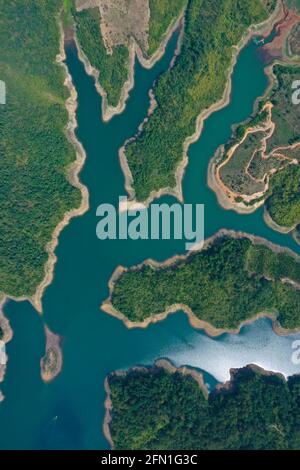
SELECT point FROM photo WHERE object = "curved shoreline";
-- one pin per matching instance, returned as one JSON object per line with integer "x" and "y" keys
{"x": 225, "y": 195}
{"x": 194, "y": 321}
{"x": 167, "y": 365}
{"x": 135, "y": 51}
{"x": 225, "y": 100}
{"x": 272, "y": 224}
{"x": 214, "y": 181}
{"x": 122, "y": 151}
{"x": 72, "y": 175}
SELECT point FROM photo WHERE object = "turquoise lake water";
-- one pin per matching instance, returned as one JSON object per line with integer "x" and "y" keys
{"x": 68, "y": 413}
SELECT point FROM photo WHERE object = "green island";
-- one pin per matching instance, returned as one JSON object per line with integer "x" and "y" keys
{"x": 195, "y": 83}
{"x": 108, "y": 50}
{"x": 260, "y": 164}
{"x": 162, "y": 410}
{"x": 36, "y": 154}
{"x": 233, "y": 279}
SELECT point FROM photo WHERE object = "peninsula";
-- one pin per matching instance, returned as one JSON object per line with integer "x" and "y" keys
{"x": 110, "y": 34}
{"x": 260, "y": 164}
{"x": 40, "y": 156}
{"x": 197, "y": 84}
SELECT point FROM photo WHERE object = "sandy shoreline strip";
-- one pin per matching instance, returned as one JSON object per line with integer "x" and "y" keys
{"x": 108, "y": 111}
{"x": 167, "y": 365}
{"x": 72, "y": 174}
{"x": 7, "y": 336}
{"x": 194, "y": 321}
{"x": 261, "y": 28}
{"x": 52, "y": 362}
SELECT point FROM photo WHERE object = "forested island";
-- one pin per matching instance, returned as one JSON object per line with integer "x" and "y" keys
{"x": 38, "y": 164}
{"x": 233, "y": 279}
{"x": 162, "y": 409}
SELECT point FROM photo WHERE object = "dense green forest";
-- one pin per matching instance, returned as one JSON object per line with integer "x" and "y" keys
{"x": 34, "y": 150}
{"x": 283, "y": 197}
{"x": 113, "y": 68}
{"x": 196, "y": 81}
{"x": 227, "y": 283}
{"x": 163, "y": 13}
{"x": 159, "y": 410}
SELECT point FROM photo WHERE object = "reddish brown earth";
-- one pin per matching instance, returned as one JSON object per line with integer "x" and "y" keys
{"x": 274, "y": 50}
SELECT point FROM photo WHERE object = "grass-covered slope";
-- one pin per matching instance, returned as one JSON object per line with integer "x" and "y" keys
{"x": 196, "y": 82}
{"x": 113, "y": 68}
{"x": 155, "y": 409}
{"x": 34, "y": 150}
{"x": 230, "y": 281}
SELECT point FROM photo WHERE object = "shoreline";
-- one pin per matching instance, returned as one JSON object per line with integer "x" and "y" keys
{"x": 226, "y": 194}
{"x": 72, "y": 175}
{"x": 205, "y": 114}
{"x": 122, "y": 151}
{"x": 194, "y": 321}
{"x": 223, "y": 193}
{"x": 53, "y": 354}
{"x": 135, "y": 51}
{"x": 168, "y": 366}
{"x": 7, "y": 337}
{"x": 162, "y": 363}
{"x": 278, "y": 228}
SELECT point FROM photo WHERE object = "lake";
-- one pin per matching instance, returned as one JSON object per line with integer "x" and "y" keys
{"x": 68, "y": 413}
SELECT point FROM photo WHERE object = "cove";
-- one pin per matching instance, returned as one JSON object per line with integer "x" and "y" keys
{"x": 68, "y": 413}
